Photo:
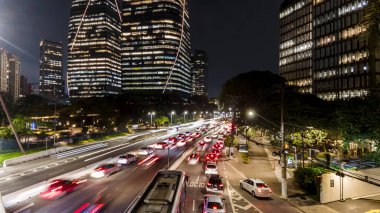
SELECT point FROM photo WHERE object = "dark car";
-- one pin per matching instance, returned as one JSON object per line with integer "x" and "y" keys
{"x": 214, "y": 184}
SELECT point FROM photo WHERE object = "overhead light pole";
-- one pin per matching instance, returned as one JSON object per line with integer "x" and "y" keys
{"x": 184, "y": 114}
{"x": 171, "y": 117}
{"x": 151, "y": 118}
{"x": 194, "y": 113}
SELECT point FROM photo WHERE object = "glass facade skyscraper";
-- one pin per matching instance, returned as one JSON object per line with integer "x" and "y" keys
{"x": 51, "y": 69}
{"x": 94, "y": 58}
{"x": 156, "y": 46}
{"x": 295, "y": 63}
{"x": 199, "y": 66}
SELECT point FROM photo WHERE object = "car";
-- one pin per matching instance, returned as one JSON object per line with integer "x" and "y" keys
{"x": 105, "y": 170}
{"x": 126, "y": 159}
{"x": 256, "y": 187}
{"x": 243, "y": 148}
{"x": 276, "y": 152}
{"x": 217, "y": 146}
{"x": 160, "y": 145}
{"x": 181, "y": 135}
{"x": 211, "y": 168}
{"x": 189, "y": 139}
{"x": 181, "y": 142}
{"x": 60, "y": 187}
{"x": 98, "y": 202}
{"x": 213, "y": 204}
{"x": 214, "y": 136}
{"x": 146, "y": 150}
{"x": 171, "y": 140}
{"x": 201, "y": 143}
{"x": 193, "y": 159}
{"x": 207, "y": 139}
{"x": 211, "y": 157}
{"x": 187, "y": 133}
{"x": 217, "y": 152}
{"x": 214, "y": 184}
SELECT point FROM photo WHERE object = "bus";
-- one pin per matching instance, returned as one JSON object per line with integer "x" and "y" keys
{"x": 166, "y": 193}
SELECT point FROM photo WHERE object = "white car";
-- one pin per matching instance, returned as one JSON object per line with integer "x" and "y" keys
{"x": 213, "y": 204}
{"x": 211, "y": 168}
{"x": 256, "y": 187}
{"x": 126, "y": 159}
{"x": 146, "y": 150}
{"x": 161, "y": 145}
{"x": 214, "y": 136}
{"x": 207, "y": 139}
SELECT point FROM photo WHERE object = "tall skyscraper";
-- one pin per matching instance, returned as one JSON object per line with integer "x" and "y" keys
{"x": 295, "y": 63}
{"x": 14, "y": 67}
{"x": 94, "y": 60}
{"x": 23, "y": 86}
{"x": 3, "y": 71}
{"x": 199, "y": 67}
{"x": 346, "y": 61}
{"x": 156, "y": 46}
{"x": 9, "y": 75}
{"x": 51, "y": 69}
{"x": 342, "y": 47}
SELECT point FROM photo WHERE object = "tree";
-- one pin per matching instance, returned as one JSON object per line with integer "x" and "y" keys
{"x": 161, "y": 120}
{"x": 5, "y": 132}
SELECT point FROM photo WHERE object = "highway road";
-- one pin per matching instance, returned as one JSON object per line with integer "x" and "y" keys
{"x": 124, "y": 185}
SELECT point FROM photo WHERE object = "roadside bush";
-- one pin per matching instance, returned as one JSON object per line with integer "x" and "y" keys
{"x": 245, "y": 157}
{"x": 307, "y": 178}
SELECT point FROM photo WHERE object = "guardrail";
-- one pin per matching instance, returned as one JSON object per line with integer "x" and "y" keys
{"x": 34, "y": 156}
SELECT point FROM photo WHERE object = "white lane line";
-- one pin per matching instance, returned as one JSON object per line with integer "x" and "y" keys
{"x": 57, "y": 172}
{"x": 108, "y": 152}
{"x": 92, "y": 153}
{"x": 230, "y": 197}
{"x": 193, "y": 205}
{"x": 198, "y": 178}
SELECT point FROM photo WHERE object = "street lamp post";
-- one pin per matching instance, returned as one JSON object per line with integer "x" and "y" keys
{"x": 171, "y": 117}
{"x": 184, "y": 114}
{"x": 284, "y": 187}
{"x": 194, "y": 114}
{"x": 151, "y": 118}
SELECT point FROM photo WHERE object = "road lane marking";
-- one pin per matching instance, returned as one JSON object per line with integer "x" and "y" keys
{"x": 193, "y": 205}
{"x": 234, "y": 196}
{"x": 198, "y": 178}
{"x": 108, "y": 152}
{"x": 57, "y": 172}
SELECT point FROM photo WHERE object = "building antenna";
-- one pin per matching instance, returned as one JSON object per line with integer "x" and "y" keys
{"x": 179, "y": 47}
{"x": 80, "y": 24}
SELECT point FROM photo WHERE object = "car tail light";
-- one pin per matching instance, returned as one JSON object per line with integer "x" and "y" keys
{"x": 221, "y": 184}
{"x": 99, "y": 169}
{"x": 83, "y": 207}
{"x": 208, "y": 184}
{"x": 270, "y": 190}
{"x": 214, "y": 207}
{"x": 259, "y": 190}
{"x": 97, "y": 208}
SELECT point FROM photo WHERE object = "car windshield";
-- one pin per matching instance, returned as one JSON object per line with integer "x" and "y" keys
{"x": 122, "y": 156}
{"x": 211, "y": 166}
{"x": 144, "y": 148}
{"x": 261, "y": 185}
{"x": 215, "y": 179}
{"x": 55, "y": 185}
{"x": 193, "y": 156}
{"x": 243, "y": 147}
{"x": 214, "y": 205}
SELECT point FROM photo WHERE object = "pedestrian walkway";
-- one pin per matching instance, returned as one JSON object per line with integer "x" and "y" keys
{"x": 265, "y": 167}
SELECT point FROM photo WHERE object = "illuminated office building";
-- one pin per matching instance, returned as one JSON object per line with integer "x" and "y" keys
{"x": 325, "y": 42}
{"x": 94, "y": 60}
{"x": 344, "y": 65}
{"x": 10, "y": 75}
{"x": 156, "y": 46}
{"x": 51, "y": 70}
{"x": 199, "y": 72}
{"x": 295, "y": 63}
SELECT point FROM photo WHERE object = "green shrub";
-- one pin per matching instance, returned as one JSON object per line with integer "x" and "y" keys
{"x": 307, "y": 178}
{"x": 245, "y": 157}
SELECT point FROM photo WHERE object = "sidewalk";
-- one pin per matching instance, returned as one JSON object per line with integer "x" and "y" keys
{"x": 265, "y": 167}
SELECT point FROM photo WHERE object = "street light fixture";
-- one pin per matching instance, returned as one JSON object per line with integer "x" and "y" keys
{"x": 171, "y": 117}
{"x": 151, "y": 118}
{"x": 184, "y": 114}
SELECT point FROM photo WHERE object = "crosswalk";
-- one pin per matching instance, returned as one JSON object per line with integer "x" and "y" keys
{"x": 79, "y": 150}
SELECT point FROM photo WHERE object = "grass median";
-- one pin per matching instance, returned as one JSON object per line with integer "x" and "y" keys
{"x": 13, "y": 154}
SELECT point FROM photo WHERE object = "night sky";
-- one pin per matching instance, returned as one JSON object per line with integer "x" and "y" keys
{"x": 238, "y": 37}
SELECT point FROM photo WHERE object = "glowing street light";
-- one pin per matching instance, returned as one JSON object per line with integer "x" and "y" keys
{"x": 151, "y": 118}
{"x": 184, "y": 114}
{"x": 171, "y": 116}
